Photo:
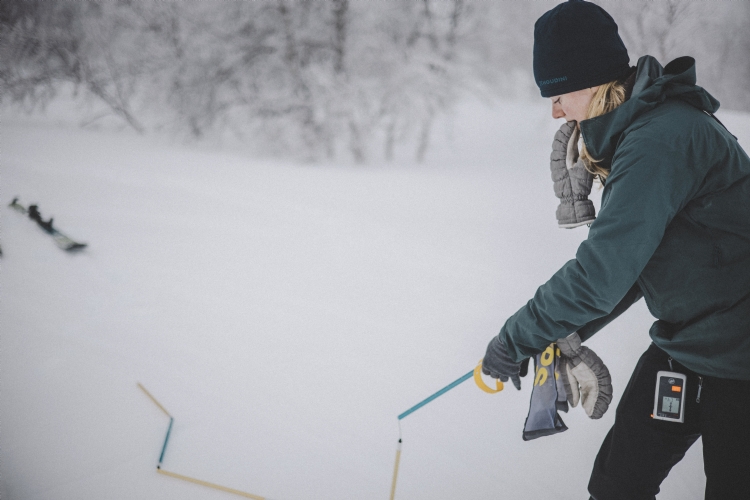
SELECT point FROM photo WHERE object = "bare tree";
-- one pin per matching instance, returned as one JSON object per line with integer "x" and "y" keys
{"x": 316, "y": 79}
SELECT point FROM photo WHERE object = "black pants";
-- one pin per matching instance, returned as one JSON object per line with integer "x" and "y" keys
{"x": 639, "y": 451}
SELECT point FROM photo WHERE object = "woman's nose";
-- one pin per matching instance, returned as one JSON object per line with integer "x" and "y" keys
{"x": 557, "y": 111}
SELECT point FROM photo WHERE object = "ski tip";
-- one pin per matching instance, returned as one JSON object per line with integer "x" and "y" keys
{"x": 75, "y": 247}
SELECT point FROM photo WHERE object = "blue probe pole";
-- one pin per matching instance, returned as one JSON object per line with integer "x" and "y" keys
{"x": 437, "y": 394}
{"x": 166, "y": 439}
{"x": 412, "y": 410}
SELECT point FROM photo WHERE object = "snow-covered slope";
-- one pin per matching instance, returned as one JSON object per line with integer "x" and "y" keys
{"x": 285, "y": 315}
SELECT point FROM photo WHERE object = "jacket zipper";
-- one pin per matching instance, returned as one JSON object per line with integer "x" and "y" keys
{"x": 700, "y": 387}
{"x": 700, "y": 381}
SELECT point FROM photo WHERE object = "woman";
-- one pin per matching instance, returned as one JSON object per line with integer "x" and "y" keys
{"x": 674, "y": 228}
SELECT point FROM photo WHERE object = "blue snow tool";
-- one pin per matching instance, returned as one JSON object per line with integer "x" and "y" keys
{"x": 476, "y": 373}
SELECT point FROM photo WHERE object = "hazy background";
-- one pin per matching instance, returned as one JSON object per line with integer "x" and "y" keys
{"x": 322, "y": 79}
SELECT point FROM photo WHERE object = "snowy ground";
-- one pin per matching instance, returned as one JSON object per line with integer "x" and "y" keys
{"x": 285, "y": 315}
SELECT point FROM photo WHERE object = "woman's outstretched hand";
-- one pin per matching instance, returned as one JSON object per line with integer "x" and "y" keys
{"x": 497, "y": 363}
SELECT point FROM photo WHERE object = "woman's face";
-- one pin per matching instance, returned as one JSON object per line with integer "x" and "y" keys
{"x": 573, "y": 105}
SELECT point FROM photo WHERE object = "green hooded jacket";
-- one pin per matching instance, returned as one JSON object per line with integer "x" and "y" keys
{"x": 674, "y": 228}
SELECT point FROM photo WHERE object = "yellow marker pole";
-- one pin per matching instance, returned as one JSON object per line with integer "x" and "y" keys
{"x": 395, "y": 470}
{"x": 210, "y": 485}
{"x": 154, "y": 400}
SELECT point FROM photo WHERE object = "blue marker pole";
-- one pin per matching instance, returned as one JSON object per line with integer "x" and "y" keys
{"x": 437, "y": 394}
{"x": 476, "y": 374}
{"x": 412, "y": 410}
{"x": 166, "y": 440}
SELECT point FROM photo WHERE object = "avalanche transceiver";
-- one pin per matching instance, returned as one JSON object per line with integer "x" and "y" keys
{"x": 669, "y": 400}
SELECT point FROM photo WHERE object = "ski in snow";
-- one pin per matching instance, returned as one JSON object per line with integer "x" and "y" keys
{"x": 62, "y": 240}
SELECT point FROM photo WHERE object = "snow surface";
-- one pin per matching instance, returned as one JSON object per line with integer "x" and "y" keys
{"x": 285, "y": 314}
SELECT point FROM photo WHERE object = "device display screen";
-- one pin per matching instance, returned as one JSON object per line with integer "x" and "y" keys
{"x": 670, "y": 405}
{"x": 670, "y": 397}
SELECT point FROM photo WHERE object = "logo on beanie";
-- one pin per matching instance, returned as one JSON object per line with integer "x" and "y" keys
{"x": 553, "y": 80}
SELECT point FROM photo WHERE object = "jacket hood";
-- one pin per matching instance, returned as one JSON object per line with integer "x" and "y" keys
{"x": 653, "y": 85}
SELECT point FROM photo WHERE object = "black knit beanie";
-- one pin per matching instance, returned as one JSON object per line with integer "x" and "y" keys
{"x": 576, "y": 46}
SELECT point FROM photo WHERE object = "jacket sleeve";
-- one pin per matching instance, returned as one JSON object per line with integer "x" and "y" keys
{"x": 590, "y": 328}
{"x": 650, "y": 181}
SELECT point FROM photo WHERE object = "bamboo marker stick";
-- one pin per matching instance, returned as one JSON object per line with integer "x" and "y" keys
{"x": 395, "y": 470}
{"x": 154, "y": 400}
{"x": 210, "y": 485}
{"x": 159, "y": 470}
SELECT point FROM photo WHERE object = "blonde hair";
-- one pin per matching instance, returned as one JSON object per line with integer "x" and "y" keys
{"x": 607, "y": 97}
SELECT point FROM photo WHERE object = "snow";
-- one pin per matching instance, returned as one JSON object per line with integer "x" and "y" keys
{"x": 285, "y": 314}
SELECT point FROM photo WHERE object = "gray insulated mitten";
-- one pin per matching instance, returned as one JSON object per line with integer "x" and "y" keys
{"x": 572, "y": 181}
{"x": 585, "y": 377}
